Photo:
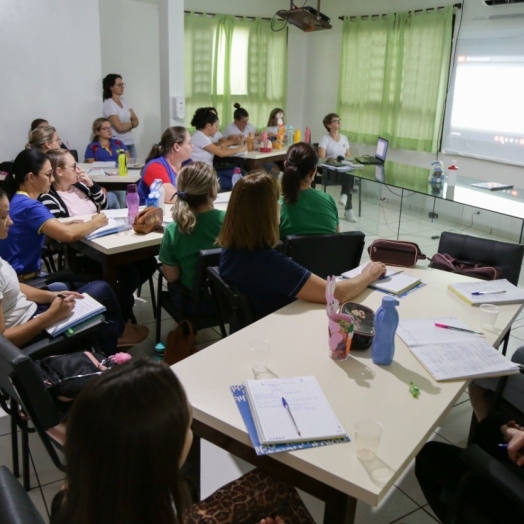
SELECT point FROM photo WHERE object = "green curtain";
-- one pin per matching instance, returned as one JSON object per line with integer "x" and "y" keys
{"x": 393, "y": 78}
{"x": 228, "y": 60}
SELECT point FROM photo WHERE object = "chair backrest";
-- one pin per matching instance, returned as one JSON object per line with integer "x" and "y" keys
{"x": 207, "y": 258}
{"x": 505, "y": 256}
{"x": 15, "y": 505}
{"x": 232, "y": 307}
{"x": 326, "y": 255}
{"x": 20, "y": 379}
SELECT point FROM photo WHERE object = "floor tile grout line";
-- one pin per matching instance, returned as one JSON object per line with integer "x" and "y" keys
{"x": 408, "y": 496}
{"x": 428, "y": 513}
{"x": 406, "y": 515}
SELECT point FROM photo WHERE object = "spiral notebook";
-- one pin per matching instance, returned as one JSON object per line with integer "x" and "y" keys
{"x": 492, "y": 292}
{"x": 309, "y": 417}
{"x": 394, "y": 281}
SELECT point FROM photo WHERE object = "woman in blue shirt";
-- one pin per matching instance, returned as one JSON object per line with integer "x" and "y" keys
{"x": 103, "y": 148}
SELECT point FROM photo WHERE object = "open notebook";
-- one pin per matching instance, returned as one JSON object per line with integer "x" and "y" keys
{"x": 394, "y": 281}
{"x": 491, "y": 292}
{"x": 312, "y": 415}
{"x": 451, "y": 355}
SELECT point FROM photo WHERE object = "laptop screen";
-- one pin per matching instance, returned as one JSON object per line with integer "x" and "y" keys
{"x": 382, "y": 149}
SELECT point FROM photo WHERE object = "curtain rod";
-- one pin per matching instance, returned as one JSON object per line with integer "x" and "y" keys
{"x": 238, "y": 17}
{"x": 458, "y": 6}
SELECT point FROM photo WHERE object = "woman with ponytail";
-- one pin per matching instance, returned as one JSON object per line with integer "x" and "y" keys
{"x": 165, "y": 161}
{"x": 196, "y": 224}
{"x": 304, "y": 210}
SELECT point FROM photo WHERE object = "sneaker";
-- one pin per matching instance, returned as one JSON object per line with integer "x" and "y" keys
{"x": 133, "y": 334}
{"x": 350, "y": 216}
{"x": 343, "y": 200}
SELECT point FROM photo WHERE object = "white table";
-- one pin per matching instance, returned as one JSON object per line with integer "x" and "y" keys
{"x": 255, "y": 159}
{"x": 355, "y": 389}
{"x": 112, "y": 182}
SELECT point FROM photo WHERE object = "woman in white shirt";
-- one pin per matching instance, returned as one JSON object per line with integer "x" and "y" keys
{"x": 204, "y": 150}
{"x": 276, "y": 119}
{"x": 241, "y": 126}
{"x": 332, "y": 146}
{"x": 117, "y": 110}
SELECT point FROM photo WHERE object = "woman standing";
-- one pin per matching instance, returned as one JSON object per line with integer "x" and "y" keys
{"x": 103, "y": 148}
{"x": 44, "y": 138}
{"x": 122, "y": 117}
{"x": 332, "y": 146}
{"x": 165, "y": 161}
{"x": 204, "y": 150}
{"x": 304, "y": 211}
{"x": 240, "y": 126}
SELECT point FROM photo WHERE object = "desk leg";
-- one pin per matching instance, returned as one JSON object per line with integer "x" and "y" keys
{"x": 340, "y": 509}
{"x": 109, "y": 272}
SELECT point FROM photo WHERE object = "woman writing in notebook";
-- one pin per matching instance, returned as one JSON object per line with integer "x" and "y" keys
{"x": 250, "y": 263}
{"x": 331, "y": 146}
{"x": 304, "y": 211}
{"x": 139, "y": 409}
{"x": 25, "y": 312}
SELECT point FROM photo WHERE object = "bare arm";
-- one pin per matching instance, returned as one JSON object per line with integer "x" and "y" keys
{"x": 72, "y": 232}
{"x": 169, "y": 193}
{"x": 231, "y": 140}
{"x": 314, "y": 290}
{"x": 218, "y": 151}
{"x": 20, "y": 335}
{"x": 321, "y": 152}
{"x": 43, "y": 296}
{"x": 134, "y": 119}
{"x": 120, "y": 128}
{"x": 172, "y": 273}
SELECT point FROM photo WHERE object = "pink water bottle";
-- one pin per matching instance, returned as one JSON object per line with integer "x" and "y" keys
{"x": 307, "y": 136}
{"x": 133, "y": 200}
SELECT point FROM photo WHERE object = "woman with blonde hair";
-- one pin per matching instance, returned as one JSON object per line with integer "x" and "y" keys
{"x": 103, "y": 148}
{"x": 250, "y": 263}
{"x": 44, "y": 138}
{"x": 196, "y": 224}
{"x": 165, "y": 160}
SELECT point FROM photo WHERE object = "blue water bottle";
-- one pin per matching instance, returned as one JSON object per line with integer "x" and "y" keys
{"x": 386, "y": 322}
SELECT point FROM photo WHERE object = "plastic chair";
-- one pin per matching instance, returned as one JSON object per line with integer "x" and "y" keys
{"x": 207, "y": 257}
{"x": 233, "y": 308}
{"x": 15, "y": 505}
{"x": 326, "y": 255}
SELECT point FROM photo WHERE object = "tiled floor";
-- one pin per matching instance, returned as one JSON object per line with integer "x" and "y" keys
{"x": 405, "y": 502}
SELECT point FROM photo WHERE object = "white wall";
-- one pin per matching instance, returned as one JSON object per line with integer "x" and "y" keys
{"x": 50, "y": 63}
{"x": 130, "y": 47}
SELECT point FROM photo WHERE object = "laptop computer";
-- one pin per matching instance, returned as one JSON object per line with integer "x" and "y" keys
{"x": 380, "y": 154}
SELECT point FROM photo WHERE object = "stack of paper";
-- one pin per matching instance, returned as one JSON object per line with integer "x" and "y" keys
{"x": 488, "y": 292}
{"x": 112, "y": 227}
{"x": 394, "y": 281}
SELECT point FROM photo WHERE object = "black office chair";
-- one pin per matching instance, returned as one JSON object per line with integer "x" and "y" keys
{"x": 326, "y": 255}
{"x": 207, "y": 257}
{"x": 505, "y": 256}
{"x": 232, "y": 307}
{"x": 16, "y": 507}
{"x": 463, "y": 501}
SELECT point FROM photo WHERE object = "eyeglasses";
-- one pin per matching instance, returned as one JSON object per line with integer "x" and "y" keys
{"x": 336, "y": 121}
{"x": 73, "y": 167}
{"x": 120, "y": 85}
{"x": 105, "y": 128}
{"x": 49, "y": 174}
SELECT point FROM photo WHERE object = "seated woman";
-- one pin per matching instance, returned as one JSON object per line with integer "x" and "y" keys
{"x": 44, "y": 138}
{"x": 70, "y": 195}
{"x": 204, "y": 150}
{"x": 165, "y": 161}
{"x": 304, "y": 211}
{"x": 25, "y": 312}
{"x": 195, "y": 226}
{"x": 332, "y": 146}
{"x": 276, "y": 119}
{"x": 240, "y": 126}
{"x": 102, "y": 147}
{"x": 250, "y": 264}
{"x": 139, "y": 409}
{"x": 42, "y": 122}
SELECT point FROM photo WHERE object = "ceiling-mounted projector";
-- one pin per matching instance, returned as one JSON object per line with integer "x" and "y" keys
{"x": 306, "y": 18}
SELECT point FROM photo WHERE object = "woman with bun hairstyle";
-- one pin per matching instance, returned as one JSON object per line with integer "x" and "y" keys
{"x": 44, "y": 138}
{"x": 140, "y": 412}
{"x": 240, "y": 126}
{"x": 250, "y": 263}
{"x": 332, "y": 146}
{"x": 304, "y": 210}
{"x": 204, "y": 150}
{"x": 196, "y": 225}
{"x": 165, "y": 160}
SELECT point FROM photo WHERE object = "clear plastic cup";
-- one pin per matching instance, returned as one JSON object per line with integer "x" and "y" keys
{"x": 488, "y": 316}
{"x": 260, "y": 350}
{"x": 368, "y": 433}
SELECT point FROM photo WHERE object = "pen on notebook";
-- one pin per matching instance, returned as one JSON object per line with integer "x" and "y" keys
{"x": 288, "y": 409}
{"x": 488, "y": 292}
{"x": 391, "y": 274}
{"x": 444, "y": 326}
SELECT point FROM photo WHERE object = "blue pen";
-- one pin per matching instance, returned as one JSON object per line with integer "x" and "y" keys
{"x": 505, "y": 446}
{"x": 288, "y": 409}
{"x": 391, "y": 274}
{"x": 476, "y": 293}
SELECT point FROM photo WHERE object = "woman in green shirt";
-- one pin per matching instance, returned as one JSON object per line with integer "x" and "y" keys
{"x": 304, "y": 210}
{"x": 195, "y": 226}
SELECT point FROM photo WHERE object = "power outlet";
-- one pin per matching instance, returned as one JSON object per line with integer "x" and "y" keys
{"x": 431, "y": 214}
